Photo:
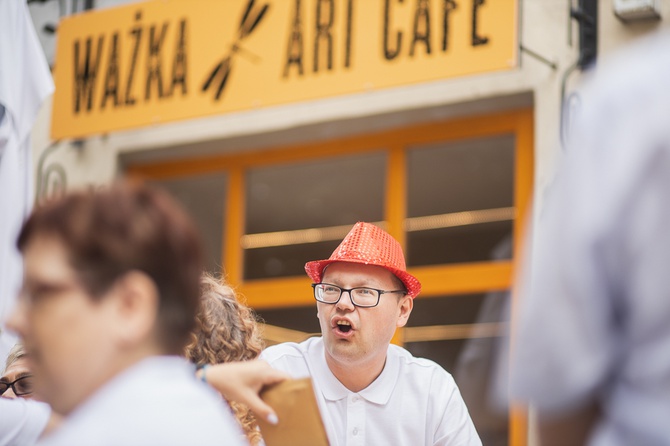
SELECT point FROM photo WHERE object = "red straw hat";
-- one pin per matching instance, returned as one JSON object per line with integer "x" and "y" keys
{"x": 370, "y": 245}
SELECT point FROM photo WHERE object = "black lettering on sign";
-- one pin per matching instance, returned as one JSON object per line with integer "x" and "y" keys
{"x": 447, "y": 7}
{"x": 84, "y": 74}
{"x": 220, "y": 74}
{"x": 389, "y": 53}
{"x": 136, "y": 32}
{"x": 295, "y": 46}
{"x": 476, "y": 38}
{"x": 347, "y": 44}
{"x": 179, "y": 62}
{"x": 421, "y": 33}
{"x": 112, "y": 76}
{"x": 154, "y": 61}
{"x": 323, "y": 32}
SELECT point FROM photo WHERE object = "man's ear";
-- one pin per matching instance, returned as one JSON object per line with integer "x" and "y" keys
{"x": 405, "y": 306}
{"x": 136, "y": 301}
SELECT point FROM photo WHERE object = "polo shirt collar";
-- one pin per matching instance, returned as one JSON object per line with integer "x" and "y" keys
{"x": 379, "y": 392}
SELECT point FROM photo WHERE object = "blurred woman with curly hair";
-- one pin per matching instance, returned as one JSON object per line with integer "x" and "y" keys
{"x": 226, "y": 331}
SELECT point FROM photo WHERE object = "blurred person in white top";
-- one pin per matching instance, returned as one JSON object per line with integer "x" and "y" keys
{"x": 110, "y": 292}
{"x": 592, "y": 353}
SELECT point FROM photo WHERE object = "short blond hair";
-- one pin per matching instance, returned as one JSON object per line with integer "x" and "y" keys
{"x": 17, "y": 352}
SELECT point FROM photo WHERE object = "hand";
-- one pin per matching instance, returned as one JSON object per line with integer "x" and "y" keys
{"x": 242, "y": 382}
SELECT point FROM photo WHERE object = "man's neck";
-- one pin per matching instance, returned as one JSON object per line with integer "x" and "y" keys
{"x": 356, "y": 376}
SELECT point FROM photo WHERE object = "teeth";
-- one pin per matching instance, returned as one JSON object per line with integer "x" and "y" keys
{"x": 343, "y": 323}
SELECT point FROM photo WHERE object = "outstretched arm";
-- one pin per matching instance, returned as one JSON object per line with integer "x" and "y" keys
{"x": 242, "y": 382}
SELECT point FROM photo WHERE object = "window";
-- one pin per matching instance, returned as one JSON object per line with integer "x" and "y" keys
{"x": 287, "y": 204}
{"x": 203, "y": 197}
{"x": 460, "y": 200}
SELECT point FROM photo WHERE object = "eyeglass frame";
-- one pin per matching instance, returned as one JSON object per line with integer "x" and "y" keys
{"x": 349, "y": 290}
{"x": 11, "y": 385}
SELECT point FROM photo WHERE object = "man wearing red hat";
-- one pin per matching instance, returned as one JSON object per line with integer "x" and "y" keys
{"x": 370, "y": 391}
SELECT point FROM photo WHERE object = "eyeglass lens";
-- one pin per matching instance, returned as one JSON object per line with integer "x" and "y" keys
{"x": 360, "y": 296}
{"x": 22, "y": 386}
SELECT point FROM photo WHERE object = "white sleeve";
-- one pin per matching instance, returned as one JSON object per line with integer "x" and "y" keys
{"x": 22, "y": 421}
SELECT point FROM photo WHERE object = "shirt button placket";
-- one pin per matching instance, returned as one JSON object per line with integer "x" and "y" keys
{"x": 355, "y": 420}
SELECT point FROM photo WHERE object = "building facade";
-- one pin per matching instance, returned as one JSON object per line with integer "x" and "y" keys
{"x": 438, "y": 119}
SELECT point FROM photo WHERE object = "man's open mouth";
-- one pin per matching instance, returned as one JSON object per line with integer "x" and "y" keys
{"x": 344, "y": 326}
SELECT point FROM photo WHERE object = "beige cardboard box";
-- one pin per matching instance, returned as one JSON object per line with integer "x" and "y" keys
{"x": 300, "y": 422}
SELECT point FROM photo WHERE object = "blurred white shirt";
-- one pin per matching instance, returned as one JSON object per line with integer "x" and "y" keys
{"x": 595, "y": 322}
{"x": 156, "y": 402}
{"x": 25, "y": 82}
{"x": 22, "y": 421}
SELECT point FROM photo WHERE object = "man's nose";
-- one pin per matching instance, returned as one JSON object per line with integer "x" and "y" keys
{"x": 345, "y": 302}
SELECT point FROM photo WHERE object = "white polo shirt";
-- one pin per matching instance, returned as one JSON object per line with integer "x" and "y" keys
{"x": 156, "y": 402}
{"x": 414, "y": 401}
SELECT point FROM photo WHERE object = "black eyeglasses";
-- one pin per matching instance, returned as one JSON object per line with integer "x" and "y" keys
{"x": 20, "y": 386}
{"x": 361, "y": 296}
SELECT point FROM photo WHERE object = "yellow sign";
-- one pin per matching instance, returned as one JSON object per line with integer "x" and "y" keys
{"x": 167, "y": 60}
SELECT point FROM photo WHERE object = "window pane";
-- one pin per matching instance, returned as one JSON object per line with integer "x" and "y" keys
{"x": 460, "y": 244}
{"x": 468, "y": 355}
{"x": 301, "y": 318}
{"x": 460, "y": 200}
{"x": 283, "y": 261}
{"x": 317, "y": 194}
{"x": 459, "y": 309}
{"x": 203, "y": 198}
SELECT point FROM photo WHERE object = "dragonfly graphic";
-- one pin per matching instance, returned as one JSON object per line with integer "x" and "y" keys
{"x": 221, "y": 72}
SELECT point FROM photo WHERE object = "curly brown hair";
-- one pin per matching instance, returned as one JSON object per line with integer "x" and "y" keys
{"x": 225, "y": 330}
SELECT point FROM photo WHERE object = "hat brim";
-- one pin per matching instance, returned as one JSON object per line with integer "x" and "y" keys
{"x": 314, "y": 270}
